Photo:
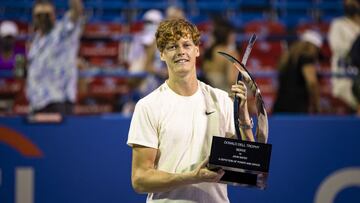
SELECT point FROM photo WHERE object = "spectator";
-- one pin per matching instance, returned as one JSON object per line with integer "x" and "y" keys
{"x": 12, "y": 60}
{"x": 298, "y": 84}
{"x": 142, "y": 54}
{"x": 11, "y": 56}
{"x": 52, "y": 72}
{"x": 343, "y": 32}
{"x": 174, "y": 12}
{"x": 143, "y": 57}
{"x": 355, "y": 62}
{"x": 218, "y": 71}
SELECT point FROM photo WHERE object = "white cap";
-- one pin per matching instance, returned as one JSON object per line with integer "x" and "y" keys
{"x": 8, "y": 28}
{"x": 313, "y": 37}
{"x": 153, "y": 15}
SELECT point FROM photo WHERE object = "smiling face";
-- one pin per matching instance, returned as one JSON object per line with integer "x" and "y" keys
{"x": 180, "y": 56}
{"x": 178, "y": 43}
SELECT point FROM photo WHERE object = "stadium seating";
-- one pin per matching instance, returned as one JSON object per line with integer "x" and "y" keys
{"x": 111, "y": 23}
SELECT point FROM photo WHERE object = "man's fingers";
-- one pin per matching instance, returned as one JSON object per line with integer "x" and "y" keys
{"x": 210, "y": 175}
{"x": 238, "y": 88}
{"x": 241, "y": 96}
{"x": 240, "y": 91}
{"x": 239, "y": 82}
{"x": 242, "y": 99}
{"x": 221, "y": 173}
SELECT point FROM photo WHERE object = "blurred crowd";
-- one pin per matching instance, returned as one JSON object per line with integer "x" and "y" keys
{"x": 71, "y": 66}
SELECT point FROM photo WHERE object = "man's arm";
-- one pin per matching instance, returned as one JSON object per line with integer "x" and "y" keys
{"x": 76, "y": 9}
{"x": 146, "y": 179}
{"x": 312, "y": 84}
{"x": 246, "y": 133}
{"x": 240, "y": 90}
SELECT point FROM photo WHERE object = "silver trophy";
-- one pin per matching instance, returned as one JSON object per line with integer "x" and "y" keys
{"x": 245, "y": 163}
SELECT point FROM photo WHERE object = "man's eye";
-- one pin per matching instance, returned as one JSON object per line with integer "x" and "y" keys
{"x": 171, "y": 47}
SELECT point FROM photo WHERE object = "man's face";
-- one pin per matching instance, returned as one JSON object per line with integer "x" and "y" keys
{"x": 180, "y": 56}
{"x": 44, "y": 17}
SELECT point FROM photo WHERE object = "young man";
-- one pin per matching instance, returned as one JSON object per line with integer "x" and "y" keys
{"x": 52, "y": 73}
{"x": 172, "y": 127}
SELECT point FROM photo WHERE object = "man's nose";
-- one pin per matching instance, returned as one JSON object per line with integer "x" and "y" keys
{"x": 180, "y": 50}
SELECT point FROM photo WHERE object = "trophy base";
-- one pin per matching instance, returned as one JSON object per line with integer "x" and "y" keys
{"x": 241, "y": 178}
{"x": 238, "y": 178}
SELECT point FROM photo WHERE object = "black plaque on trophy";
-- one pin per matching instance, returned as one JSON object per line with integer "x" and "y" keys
{"x": 245, "y": 163}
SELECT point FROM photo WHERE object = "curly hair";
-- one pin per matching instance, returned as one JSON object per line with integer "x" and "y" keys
{"x": 173, "y": 30}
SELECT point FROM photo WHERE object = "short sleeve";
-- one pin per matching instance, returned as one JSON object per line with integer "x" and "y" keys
{"x": 142, "y": 127}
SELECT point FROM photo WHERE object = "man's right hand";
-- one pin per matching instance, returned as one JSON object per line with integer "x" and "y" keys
{"x": 203, "y": 174}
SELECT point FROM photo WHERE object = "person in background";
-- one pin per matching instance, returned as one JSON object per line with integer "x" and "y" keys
{"x": 12, "y": 63}
{"x": 143, "y": 57}
{"x": 12, "y": 58}
{"x": 174, "y": 12}
{"x": 355, "y": 63}
{"x": 298, "y": 83}
{"x": 172, "y": 127}
{"x": 52, "y": 71}
{"x": 342, "y": 34}
{"x": 218, "y": 71}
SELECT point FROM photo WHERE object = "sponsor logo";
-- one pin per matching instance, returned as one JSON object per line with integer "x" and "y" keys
{"x": 24, "y": 175}
{"x": 336, "y": 182}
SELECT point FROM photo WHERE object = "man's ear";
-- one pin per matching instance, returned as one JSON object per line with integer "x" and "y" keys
{"x": 197, "y": 51}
